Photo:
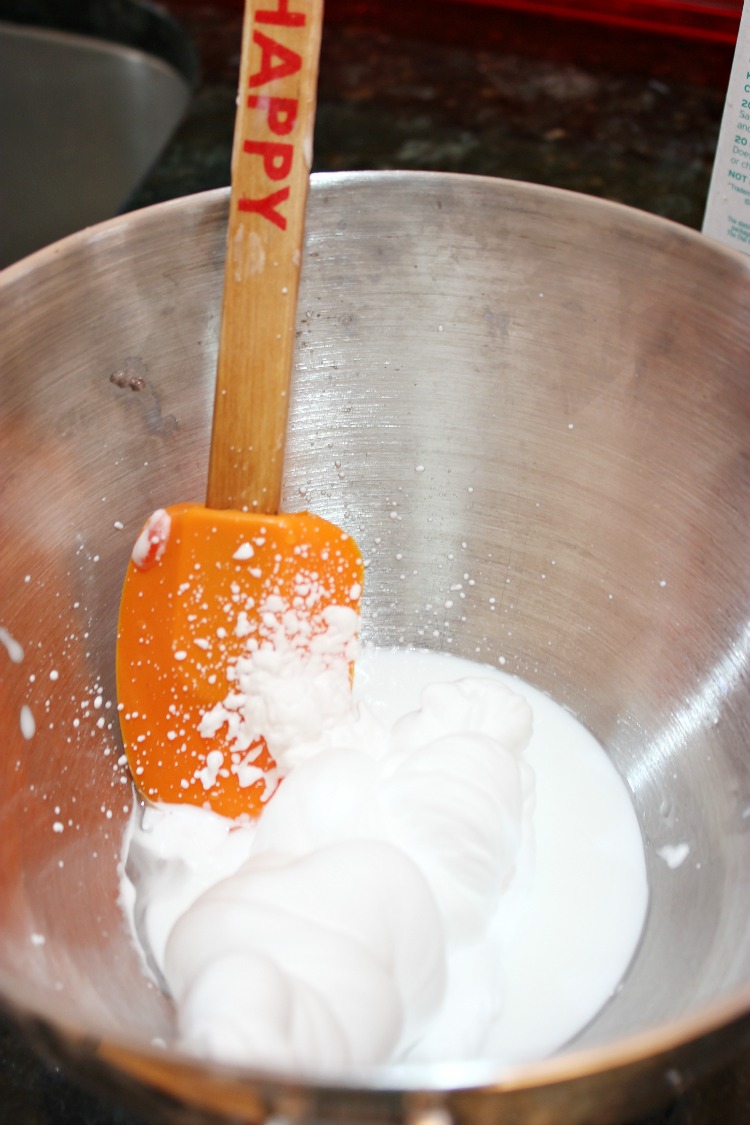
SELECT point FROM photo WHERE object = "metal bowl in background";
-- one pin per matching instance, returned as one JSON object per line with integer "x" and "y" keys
{"x": 571, "y": 379}
{"x": 90, "y": 94}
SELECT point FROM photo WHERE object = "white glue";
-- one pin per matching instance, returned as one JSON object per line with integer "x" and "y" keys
{"x": 727, "y": 216}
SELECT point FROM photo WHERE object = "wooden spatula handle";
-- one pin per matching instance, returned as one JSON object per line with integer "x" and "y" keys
{"x": 271, "y": 161}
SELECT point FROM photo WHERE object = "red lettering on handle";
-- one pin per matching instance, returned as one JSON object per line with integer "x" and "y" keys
{"x": 281, "y": 16}
{"x": 267, "y": 206}
{"x": 281, "y": 113}
{"x": 277, "y": 157}
{"x": 289, "y": 61}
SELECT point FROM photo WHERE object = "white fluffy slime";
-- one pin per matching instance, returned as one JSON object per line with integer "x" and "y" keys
{"x": 456, "y": 874}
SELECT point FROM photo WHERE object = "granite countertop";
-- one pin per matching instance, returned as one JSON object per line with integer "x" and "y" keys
{"x": 626, "y": 115}
{"x": 629, "y": 116}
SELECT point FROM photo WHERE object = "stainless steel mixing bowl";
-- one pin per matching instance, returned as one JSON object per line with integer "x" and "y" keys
{"x": 570, "y": 378}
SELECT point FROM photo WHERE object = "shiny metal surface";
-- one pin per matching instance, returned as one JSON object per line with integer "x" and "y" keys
{"x": 81, "y": 122}
{"x": 539, "y": 396}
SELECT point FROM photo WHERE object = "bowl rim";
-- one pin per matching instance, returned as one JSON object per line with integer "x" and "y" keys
{"x": 319, "y": 181}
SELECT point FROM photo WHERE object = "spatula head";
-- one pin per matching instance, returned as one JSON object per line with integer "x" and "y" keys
{"x": 208, "y": 597}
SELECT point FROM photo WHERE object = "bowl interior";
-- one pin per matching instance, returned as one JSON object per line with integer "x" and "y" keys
{"x": 534, "y": 395}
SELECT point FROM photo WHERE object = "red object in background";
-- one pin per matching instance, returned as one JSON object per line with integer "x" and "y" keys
{"x": 715, "y": 20}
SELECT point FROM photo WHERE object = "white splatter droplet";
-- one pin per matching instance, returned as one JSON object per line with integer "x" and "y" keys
{"x": 244, "y": 551}
{"x": 12, "y": 647}
{"x": 28, "y": 726}
{"x": 674, "y": 855}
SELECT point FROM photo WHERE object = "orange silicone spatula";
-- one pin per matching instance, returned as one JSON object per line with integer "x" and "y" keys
{"x": 213, "y": 590}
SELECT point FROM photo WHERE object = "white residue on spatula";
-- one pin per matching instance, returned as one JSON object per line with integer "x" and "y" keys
{"x": 289, "y": 687}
